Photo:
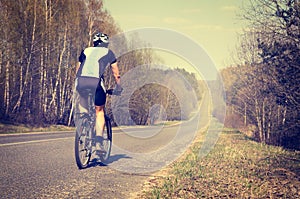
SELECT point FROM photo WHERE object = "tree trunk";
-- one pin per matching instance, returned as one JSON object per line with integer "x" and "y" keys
{"x": 26, "y": 79}
{"x": 7, "y": 89}
{"x": 258, "y": 120}
{"x": 263, "y": 118}
{"x": 58, "y": 75}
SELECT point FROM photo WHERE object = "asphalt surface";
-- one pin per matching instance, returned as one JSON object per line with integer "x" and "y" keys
{"x": 42, "y": 165}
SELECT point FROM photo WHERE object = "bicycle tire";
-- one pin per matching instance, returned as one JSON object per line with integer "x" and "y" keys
{"x": 106, "y": 141}
{"x": 82, "y": 153}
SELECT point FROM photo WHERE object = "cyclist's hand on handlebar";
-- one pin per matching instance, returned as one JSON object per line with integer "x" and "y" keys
{"x": 118, "y": 90}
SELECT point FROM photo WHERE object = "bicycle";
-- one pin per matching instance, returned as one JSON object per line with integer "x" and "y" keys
{"x": 85, "y": 137}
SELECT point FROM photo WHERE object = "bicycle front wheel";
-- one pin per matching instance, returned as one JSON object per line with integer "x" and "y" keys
{"x": 82, "y": 150}
{"x": 106, "y": 141}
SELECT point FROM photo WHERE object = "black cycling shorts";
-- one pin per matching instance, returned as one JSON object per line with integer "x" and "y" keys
{"x": 94, "y": 85}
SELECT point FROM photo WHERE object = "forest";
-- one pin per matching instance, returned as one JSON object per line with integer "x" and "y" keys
{"x": 40, "y": 44}
{"x": 262, "y": 90}
{"x": 41, "y": 41}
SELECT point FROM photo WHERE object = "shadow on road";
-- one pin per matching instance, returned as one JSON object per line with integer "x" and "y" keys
{"x": 95, "y": 162}
{"x": 117, "y": 157}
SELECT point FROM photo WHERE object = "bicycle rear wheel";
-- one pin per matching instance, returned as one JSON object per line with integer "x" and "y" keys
{"x": 106, "y": 141}
{"x": 82, "y": 149}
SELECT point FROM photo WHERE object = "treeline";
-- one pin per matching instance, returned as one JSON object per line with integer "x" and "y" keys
{"x": 153, "y": 95}
{"x": 263, "y": 90}
{"x": 40, "y": 43}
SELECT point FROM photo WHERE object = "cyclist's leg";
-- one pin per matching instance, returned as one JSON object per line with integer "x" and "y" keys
{"x": 83, "y": 104}
{"x": 100, "y": 100}
{"x": 100, "y": 120}
{"x": 83, "y": 84}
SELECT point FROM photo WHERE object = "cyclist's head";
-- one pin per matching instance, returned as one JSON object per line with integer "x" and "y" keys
{"x": 100, "y": 38}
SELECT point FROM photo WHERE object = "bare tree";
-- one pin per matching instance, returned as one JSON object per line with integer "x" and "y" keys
{"x": 267, "y": 90}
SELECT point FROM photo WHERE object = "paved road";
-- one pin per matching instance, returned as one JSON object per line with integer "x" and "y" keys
{"x": 42, "y": 165}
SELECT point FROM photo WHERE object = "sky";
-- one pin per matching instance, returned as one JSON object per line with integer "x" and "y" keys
{"x": 212, "y": 24}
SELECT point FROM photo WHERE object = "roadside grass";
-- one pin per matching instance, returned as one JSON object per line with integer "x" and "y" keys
{"x": 20, "y": 128}
{"x": 237, "y": 167}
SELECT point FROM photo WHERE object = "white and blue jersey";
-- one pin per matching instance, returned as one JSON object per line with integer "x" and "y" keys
{"x": 94, "y": 61}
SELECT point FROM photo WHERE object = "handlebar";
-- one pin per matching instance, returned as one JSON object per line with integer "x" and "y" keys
{"x": 114, "y": 92}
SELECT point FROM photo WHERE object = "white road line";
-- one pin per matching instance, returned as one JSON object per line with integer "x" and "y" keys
{"x": 34, "y": 141}
{"x": 35, "y": 133}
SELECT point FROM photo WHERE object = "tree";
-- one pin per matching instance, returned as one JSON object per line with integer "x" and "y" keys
{"x": 40, "y": 44}
{"x": 267, "y": 88}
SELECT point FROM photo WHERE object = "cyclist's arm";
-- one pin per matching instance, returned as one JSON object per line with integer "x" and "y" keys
{"x": 77, "y": 67}
{"x": 115, "y": 71}
{"x": 81, "y": 59}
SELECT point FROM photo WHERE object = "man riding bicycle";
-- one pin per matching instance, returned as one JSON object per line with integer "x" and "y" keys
{"x": 89, "y": 75}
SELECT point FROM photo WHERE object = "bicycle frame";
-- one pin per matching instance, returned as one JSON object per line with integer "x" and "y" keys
{"x": 85, "y": 138}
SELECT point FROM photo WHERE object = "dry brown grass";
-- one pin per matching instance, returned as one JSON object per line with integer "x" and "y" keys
{"x": 10, "y": 128}
{"x": 236, "y": 168}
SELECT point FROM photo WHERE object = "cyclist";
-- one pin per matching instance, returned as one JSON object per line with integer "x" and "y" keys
{"x": 89, "y": 74}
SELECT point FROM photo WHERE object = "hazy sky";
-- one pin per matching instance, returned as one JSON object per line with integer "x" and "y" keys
{"x": 213, "y": 24}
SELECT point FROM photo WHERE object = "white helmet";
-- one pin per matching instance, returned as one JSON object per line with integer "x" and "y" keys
{"x": 100, "y": 38}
